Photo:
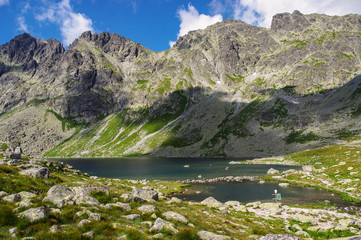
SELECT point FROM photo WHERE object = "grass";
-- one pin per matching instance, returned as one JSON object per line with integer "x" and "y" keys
{"x": 235, "y": 78}
{"x": 299, "y": 137}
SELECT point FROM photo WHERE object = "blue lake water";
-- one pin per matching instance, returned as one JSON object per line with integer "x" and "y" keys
{"x": 167, "y": 168}
{"x": 173, "y": 169}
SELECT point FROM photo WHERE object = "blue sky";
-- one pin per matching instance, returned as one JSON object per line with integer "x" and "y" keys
{"x": 156, "y": 24}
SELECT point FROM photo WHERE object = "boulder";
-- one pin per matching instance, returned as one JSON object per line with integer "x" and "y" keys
{"x": 232, "y": 203}
{"x": 89, "y": 234}
{"x": 143, "y": 195}
{"x": 147, "y": 209}
{"x": 204, "y": 235}
{"x": 175, "y": 216}
{"x": 34, "y": 214}
{"x": 83, "y": 222}
{"x": 87, "y": 200}
{"x": 270, "y": 207}
{"x": 212, "y": 202}
{"x": 42, "y": 172}
{"x": 94, "y": 216}
{"x": 302, "y": 233}
{"x": 86, "y": 190}
{"x": 303, "y": 218}
{"x": 14, "y": 155}
{"x": 272, "y": 171}
{"x": 308, "y": 168}
{"x": 346, "y": 222}
{"x": 162, "y": 225}
{"x": 132, "y": 217}
{"x": 124, "y": 206}
{"x": 2, "y": 194}
{"x": 56, "y": 228}
{"x": 279, "y": 237}
{"x": 240, "y": 208}
{"x": 18, "y": 197}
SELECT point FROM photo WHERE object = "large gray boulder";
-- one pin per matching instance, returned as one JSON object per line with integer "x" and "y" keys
{"x": 204, "y": 235}
{"x": 42, "y": 172}
{"x": 175, "y": 217}
{"x": 279, "y": 237}
{"x": 34, "y": 214}
{"x": 212, "y": 202}
{"x": 162, "y": 225}
{"x": 147, "y": 209}
{"x": 143, "y": 195}
{"x": 18, "y": 197}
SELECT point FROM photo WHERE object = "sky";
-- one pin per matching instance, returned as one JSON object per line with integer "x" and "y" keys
{"x": 156, "y": 24}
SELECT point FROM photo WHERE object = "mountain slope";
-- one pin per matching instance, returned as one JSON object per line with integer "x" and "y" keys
{"x": 230, "y": 90}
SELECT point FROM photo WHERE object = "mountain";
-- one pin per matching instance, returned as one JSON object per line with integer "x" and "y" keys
{"x": 231, "y": 89}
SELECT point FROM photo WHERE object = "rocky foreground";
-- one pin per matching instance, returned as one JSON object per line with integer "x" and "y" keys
{"x": 43, "y": 199}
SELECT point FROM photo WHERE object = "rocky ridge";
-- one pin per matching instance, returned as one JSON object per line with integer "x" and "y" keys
{"x": 109, "y": 96}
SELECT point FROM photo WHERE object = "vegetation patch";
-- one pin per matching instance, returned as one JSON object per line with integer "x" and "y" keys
{"x": 235, "y": 78}
{"x": 299, "y": 137}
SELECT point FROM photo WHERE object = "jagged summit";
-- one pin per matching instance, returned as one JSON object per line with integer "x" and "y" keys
{"x": 227, "y": 90}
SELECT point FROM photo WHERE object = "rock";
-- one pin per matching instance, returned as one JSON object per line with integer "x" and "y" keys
{"x": 154, "y": 216}
{"x": 346, "y": 222}
{"x": 175, "y": 216}
{"x": 2, "y": 194}
{"x": 174, "y": 200}
{"x": 12, "y": 230}
{"x": 15, "y": 155}
{"x": 279, "y": 237}
{"x": 297, "y": 227}
{"x": 313, "y": 228}
{"x": 147, "y": 224}
{"x": 157, "y": 236}
{"x": 34, "y": 214}
{"x": 303, "y": 218}
{"x": 94, "y": 216}
{"x": 272, "y": 171}
{"x": 18, "y": 150}
{"x": 83, "y": 222}
{"x": 126, "y": 197}
{"x": 124, "y": 206}
{"x": 55, "y": 228}
{"x": 143, "y": 195}
{"x": 253, "y": 204}
{"x": 36, "y": 172}
{"x": 147, "y": 209}
{"x": 289, "y": 171}
{"x": 89, "y": 234}
{"x": 232, "y": 203}
{"x": 240, "y": 208}
{"x": 87, "y": 200}
{"x": 270, "y": 207}
{"x": 13, "y": 162}
{"x": 12, "y": 198}
{"x": 212, "y": 202}
{"x": 186, "y": 166}
{"x": 162, "y": 225}
{"x": 204, "y": 235}
{"x": 132, "y": 217}
{"x": 86, "y": 190}
{"x": 302, "y": 233}
{"x": 308, "y": 168}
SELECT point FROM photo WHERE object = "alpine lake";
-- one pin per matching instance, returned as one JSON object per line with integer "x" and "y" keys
{"x": 178, "y": 169}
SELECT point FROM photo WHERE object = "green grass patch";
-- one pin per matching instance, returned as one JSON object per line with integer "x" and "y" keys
{"x": 235, "y": 78}
{"x": 299, "y": 137}
{"x": 346, "y": 56}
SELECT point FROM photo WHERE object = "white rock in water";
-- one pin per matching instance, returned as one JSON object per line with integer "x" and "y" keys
{"x": 199, "y": 176}
{"x": 186, "y": 166}
{"x": 284, "y": 184}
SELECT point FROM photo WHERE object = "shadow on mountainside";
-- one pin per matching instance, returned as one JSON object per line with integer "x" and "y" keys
{"x": 194, "y": 123}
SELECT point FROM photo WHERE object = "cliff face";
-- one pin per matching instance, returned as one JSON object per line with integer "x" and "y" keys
{"x": 230, "y": 90}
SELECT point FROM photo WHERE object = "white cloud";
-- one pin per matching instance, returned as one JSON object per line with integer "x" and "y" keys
{"x": 260, "y": 12}
{"x": 192, "y": 20}
{"x": 22, "y": 25}
{"x": 72, "y": 24}
{"x": 4, "y": 2}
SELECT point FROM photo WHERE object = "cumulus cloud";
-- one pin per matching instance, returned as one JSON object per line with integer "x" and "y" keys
{"x": 192, "y": 20}
{"x": 72, "y": 24}
{"x": 260, "y": 12}
{"x": 22, "y": 25}
{"x": 4, "y": 2}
